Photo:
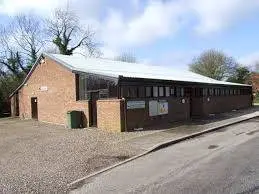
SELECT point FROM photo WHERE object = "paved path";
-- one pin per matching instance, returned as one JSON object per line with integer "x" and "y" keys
{"x": 222, "y": 162}
{"x": 150, "y": 140}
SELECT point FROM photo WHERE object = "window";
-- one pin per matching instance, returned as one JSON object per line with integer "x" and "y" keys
{"x": 132, "y": 92}
{"x": 82, "y": 87}
{"x": 141, "y": 92}
{"x": 179, "y": 92}
{"x": 161, "y": 91}
{"x": 87, "y": 83}
{"x": 226, "y": 92}
{"x": 103, "y": 93}
{"x": 204, "y": 92}
{"x": 167, "y": 91}
{"x": 198, "y": 92}
{"x": 222, "y": 92}
{"x": 155, "y": 91}
{"x": 148, "y": 91}
{"x": 246, "y": 91}
{"x": 182, "y": 91}
{"x": 211, "y": 91}
{"x": 172, "y": 91}
{"x": 216, "y": 91}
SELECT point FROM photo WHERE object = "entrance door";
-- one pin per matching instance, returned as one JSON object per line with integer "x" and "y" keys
{"x": 93, "y": 109}
{"x": 34, "y": 108}
{"x": 189, "y": 94}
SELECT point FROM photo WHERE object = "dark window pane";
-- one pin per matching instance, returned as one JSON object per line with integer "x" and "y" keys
{"x": 211, "y": 92}
{"x": 182, "y": 92}
{"x": 104, "y": 93}
{"x": 155, "y": 91}
{"x": 172, "y": 91}
{"x": 82, "y": 87}
{"x": 141, "y": 92}
{"x": 106, "y": 86}
{"x": 148, "y": 91}
{"x": 179, "y": 92}
{"x": 204, "y": 92}
{"x": 133, "y": 92}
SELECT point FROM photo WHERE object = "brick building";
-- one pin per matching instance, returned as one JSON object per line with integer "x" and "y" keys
{"x": 120, "y": 96}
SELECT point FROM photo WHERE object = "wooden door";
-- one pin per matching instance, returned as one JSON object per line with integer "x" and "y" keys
{"x": 17, "y": 104}
{"x": 93, "y": 109}
{"x": 34, "y": 108}
{"x": 189, "y": 94}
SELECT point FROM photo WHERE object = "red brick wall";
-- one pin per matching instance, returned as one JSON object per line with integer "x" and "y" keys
{"x": 110, "y": 114}
{"x": 60, "y": 97}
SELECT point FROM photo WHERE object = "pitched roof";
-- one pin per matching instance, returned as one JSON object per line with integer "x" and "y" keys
{"x": 106, "y": 67}
{"x": 133, "y": 70}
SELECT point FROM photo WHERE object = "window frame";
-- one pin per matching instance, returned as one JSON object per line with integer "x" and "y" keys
{"x": 155, "y": 91}
{"x": 151, "y": 91}
{"x": 161, "y": 91}
{"x": 167, "y": 91}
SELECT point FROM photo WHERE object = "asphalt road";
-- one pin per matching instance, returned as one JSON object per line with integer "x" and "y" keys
{"x": 226, "y": 161}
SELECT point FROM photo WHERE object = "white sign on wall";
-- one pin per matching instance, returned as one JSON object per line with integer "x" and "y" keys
{"x": 43, "y": 88}
{"x": 162, "y": 108}
{"x": 136, "y": 104}
{"x": 158, "y": 107}
{"x": 153, "y": 108}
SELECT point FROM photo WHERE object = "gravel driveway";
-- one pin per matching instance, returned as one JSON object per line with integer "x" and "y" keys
{"x": 43, "y": 158}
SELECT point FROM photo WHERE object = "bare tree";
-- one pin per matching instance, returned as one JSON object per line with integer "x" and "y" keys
{"x": 10, "y": 57}
{"x": 67, "y": 34}
{"x": 214, "y": 64}
{"x": 28, "y": 35}
{"x": 126, "y": 57}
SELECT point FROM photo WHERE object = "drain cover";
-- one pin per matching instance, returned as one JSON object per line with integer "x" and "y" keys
{"x": 213, "y": 146}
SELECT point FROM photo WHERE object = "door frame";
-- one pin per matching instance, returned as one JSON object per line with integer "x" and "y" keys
{"x": 190, "y": 92}
{"x": 34, "y": 108}
{"x": 94, "y": 96}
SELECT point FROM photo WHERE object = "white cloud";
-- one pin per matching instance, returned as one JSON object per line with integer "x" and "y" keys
{"x": 44, "y": 8}
{"x": 215, "y": 15}
{"x": 249, "y": 59}
{"x": 158, "y": 19}
{"x": 138, "y": 23}
{"x": 12, "y": 7}
{"x": 177, "y": 59}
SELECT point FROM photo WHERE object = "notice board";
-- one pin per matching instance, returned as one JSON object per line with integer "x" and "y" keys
{"x": 153, "y": 108}
{"x": 158, "y": 107}
{"x": 162, "y": 108}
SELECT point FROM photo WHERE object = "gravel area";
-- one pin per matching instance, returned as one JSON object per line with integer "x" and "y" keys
{"x": 43, "y": 158}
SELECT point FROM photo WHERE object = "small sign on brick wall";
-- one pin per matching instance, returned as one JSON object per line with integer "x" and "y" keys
{"x": 136, "y": 104}
{"x": 44, "y": 88}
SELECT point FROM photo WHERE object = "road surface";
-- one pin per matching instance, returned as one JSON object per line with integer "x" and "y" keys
{"x": 226, "y": 161}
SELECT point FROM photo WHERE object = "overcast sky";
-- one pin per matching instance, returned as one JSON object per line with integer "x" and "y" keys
{"x": 166, "y": 32}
